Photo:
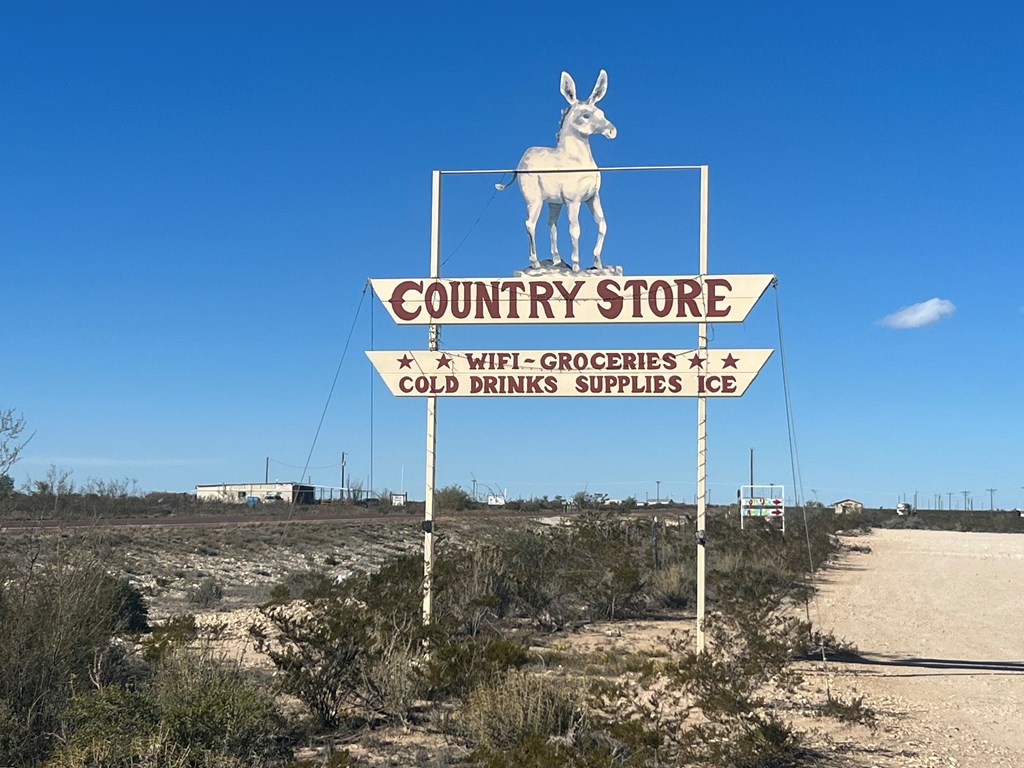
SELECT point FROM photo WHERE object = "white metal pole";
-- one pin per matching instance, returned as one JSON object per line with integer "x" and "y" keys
{"x": 434, "y": 332}
{"x": 702, "y": 347}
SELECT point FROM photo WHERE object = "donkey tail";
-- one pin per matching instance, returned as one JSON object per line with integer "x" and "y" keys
{"x": 506, "y": 185}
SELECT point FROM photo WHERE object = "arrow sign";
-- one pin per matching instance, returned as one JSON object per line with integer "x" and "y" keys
{"x": 572, "y": 299}
{"x": 570, "y": 373}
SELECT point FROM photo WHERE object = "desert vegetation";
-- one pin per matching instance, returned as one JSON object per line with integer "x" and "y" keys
{"x": 117, "y": 655}
{"x": 269, "y": 643}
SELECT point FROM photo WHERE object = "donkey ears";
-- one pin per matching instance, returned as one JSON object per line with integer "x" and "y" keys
{"x": 600, "y": 88}
{"x": 568, "y": 88}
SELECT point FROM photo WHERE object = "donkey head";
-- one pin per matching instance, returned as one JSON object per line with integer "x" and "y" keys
{"x": 585, "y": 118}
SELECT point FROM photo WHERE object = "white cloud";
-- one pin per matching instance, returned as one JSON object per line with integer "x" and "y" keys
{"x": 919, "y": 315}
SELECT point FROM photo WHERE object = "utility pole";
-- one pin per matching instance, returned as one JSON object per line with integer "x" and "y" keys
{"x": 342, "y": 475}
{"x": 266, "y": 471}
{"x": 949, "y": 495}
{"x": 965, "y": 499}
{"x": 659, "y": 491}
{"x": 991, "y": 499}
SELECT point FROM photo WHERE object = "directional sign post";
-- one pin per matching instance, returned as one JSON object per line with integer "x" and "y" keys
{"x": 764, "y": 501}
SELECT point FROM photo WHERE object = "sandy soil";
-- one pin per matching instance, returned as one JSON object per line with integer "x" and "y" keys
{"x": 936, "y": 618}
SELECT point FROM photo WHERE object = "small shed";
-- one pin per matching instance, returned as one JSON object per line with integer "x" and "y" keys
{"x": 846, "y": 506}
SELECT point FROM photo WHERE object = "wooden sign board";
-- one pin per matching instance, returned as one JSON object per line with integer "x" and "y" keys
{"x": 570, "y": 373}
{"x": 571, "y": 299}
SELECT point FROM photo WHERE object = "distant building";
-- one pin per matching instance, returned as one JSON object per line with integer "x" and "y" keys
{"x": 846, "y": 506}
{"x": 242, "y": 493}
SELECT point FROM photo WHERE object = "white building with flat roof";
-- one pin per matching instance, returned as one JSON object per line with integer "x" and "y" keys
{"x": 241, "y": 493}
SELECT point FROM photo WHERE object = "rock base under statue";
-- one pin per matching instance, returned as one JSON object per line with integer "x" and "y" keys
{"x": 547, "y": 268}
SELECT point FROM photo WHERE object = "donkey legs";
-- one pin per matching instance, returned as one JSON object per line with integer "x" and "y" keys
{"x": 554, "y": 209}
{"x": 532, "y": 215}
{"x": 574, "y": 233}
{"x": 594, "y": 204}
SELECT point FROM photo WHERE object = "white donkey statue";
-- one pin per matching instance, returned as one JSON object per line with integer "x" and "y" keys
{"x": 580, "y": 120}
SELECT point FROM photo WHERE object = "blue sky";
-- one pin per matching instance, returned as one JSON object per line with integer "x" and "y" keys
{"x": 192, "y": 196}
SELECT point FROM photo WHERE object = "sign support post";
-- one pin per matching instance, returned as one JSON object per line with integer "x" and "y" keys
{"x": 702, "y": 348}
{"x": 433, "y": 337}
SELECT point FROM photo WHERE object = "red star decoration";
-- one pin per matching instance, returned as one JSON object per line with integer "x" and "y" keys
{"x": 730, "y": 361}
{"x": 405, "y": 361}
{"x": 696, "y": 362}
{"x": 444, "y": 362}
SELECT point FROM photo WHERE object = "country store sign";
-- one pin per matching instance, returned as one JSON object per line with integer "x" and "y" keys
{"x": 582, "y": 299}
{"x": 577, "y": 298}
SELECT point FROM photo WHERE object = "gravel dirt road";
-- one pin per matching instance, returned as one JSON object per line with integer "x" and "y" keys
{"x": 938, "y": 621}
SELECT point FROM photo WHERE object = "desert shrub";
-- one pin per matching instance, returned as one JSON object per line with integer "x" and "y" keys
{"x": 674, "y": 586}
{"x": 199, "y": 711}
{"x": 279, "y": 595}
{"x": 57, "y": 623}
{"x": 849, "y": 710}
{"x": 348, "y": 650}
{"x": 751, "y": 639}
{"x": 503, "y": 714}
{"x": 472, "y": 590}
{"x": 537, "y": 751}
{"x": 107, "y": 726}
{"x": 763, "y": 741}
{"x": 206, "y": 594}
{"x": 453, "y": 498}
{"x": 131, "y": 610}
{"x": 596, "y": 567}
{"x": 457, "y": 665}
{"x": 174, "y": 632}
{"x": 208, "y": 704}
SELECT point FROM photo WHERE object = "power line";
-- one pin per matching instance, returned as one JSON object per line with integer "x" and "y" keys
{"x": 334, "y": 383}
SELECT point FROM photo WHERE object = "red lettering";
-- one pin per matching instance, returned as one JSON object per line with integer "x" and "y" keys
{"x": 488, "y": 301}
{"x": 607, "y": 290}
{"x": 687, "y": 293}
{"x": 461, "y": 309}
{"x": 660, "y": 298}
{"x": 512, "y": 288}
{"x": 637, "y": 286}
{"x": 569, "y": 296}
{"x": 398, "y": 298}
{"x": 715, "y": 298}
{"x": 540, "y": 295}
{"x": 436, "y": 300}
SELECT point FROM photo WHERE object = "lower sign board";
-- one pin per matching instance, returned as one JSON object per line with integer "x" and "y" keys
{"x": 572, "y": 373}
